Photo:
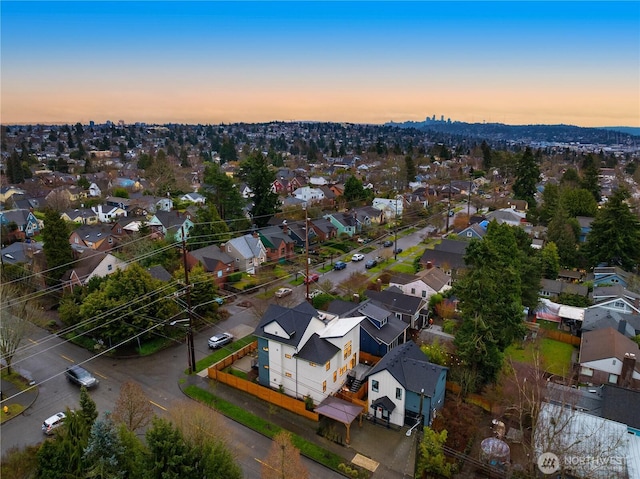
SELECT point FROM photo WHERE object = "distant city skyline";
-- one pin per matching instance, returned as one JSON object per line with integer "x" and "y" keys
{"x": 507, "y": 62}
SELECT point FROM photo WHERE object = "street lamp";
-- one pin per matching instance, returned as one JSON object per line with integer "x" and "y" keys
{"x": 190, "y": 345}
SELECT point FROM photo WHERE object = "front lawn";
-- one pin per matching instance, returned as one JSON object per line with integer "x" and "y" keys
{"x": 554, "y": 355}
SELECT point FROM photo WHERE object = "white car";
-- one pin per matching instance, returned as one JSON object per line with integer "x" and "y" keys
{"x": 53, "y": 422}
{"x": 314, "y": 293}
{"x": 357, "y": 257}
{"x": 282, "y": 292}
{"x": 220, "y": 340}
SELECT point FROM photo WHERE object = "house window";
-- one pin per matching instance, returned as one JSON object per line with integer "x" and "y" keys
{"x": 288, "y": 356}
{"x": 347, "y": 350}
{"x": 313, "y": 365}
{"x": 398, "y": 393}
{"x": 109, "y": 267}
{"x": 413, "y": 290}
{"x": 324, "y": 386}
{"x": 375, "y": 386}
{"x": 266, "y": 349}
{"x": 586, "y": 371}
{"x": 76, "y": 240}
{"x": 266, "y": 366}
{"x": 469, "y": 234}
{"x": 335, "y": 376}
{"x": 424, "y": 293}
{"x": 287, "y": 375}
{"x": 110, "y": 240}
{"x": 613, "y": 378}
{"x": 327, "y": 366}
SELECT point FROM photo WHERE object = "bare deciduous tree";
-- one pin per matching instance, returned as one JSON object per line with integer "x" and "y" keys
{"x": 18, "y": 316}
{"x": 283, "y": 460}
{"x": 198, "y": 424}
{"x": 133, "y": 408}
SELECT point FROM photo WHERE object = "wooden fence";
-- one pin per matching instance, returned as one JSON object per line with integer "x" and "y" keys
{"x": 560, "y": 336}
{"x": 267, "y": 394}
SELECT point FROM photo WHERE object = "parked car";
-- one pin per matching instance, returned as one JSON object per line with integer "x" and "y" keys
{"x": 387, "y": 243}
{"x": 282, "y": 292}
{"x": 357, "y": 257}
{"x": 81, "y": 377}
{"x": 314, "y": 293}
{"x": 53, "y": 422}
{"x": 397, "y": 250}
{"x": 339, "y": 265}
{"x": 220, "y": 340}
{"x": 219, "y": 300}
{"x": 312, "y": 278}
{"x": 370, "y": 263}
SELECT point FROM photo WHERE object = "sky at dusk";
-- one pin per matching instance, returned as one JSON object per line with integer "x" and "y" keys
{"x": 541, "y": 62}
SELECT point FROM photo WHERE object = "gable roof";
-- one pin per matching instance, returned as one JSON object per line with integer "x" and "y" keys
{"x": 605, "y": 344}
{"x": 411, "y": 368}
{"x": 247, "y": 245}
{"x": 396, "y": 301}
{"x": 435, "y": 278}
{"x": 294, "y": 321}
{"x": 317, "y": 350}
{"x": 213, "y": 253}
{"x": 159, "y": 272}
{"x": 600, "y": 318}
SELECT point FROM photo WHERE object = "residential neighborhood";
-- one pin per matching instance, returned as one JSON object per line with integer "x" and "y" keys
{"x": 391, "y": 280}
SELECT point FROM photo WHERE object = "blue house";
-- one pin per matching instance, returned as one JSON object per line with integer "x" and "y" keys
{"x": 381, "y": 331}
{"x": 405, "y": 388}
{"x": 585, "y": 227}
{"x": 610, "y": 276}
{"x": 20, "y": 223}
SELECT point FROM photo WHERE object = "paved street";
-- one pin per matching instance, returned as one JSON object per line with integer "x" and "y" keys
{"x": 43, "y": 359}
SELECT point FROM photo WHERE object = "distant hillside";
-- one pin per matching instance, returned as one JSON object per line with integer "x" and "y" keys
{"x": 529, "y": 133}
{"x": 629, "y": 130}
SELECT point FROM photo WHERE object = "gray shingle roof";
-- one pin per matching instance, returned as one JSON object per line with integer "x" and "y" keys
{"x": 411, "y": 368}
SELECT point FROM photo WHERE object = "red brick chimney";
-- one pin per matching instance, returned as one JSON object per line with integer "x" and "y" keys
{"x": 628, "y": 366}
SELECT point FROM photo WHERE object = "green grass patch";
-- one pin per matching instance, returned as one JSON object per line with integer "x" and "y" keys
{"x": 219, "y": 354}
{"x": 264, "y": 427}
{"x": 152, "y": 346}
{"x": 237, "y": 373}
{"x": 12, "y": 411}
{"x": 402, "y": 268}
{"x": 554, "y": 355}
{"x": 325, "y": 268}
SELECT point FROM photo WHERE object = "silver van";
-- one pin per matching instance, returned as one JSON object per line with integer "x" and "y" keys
{"x": 53, "y": 422}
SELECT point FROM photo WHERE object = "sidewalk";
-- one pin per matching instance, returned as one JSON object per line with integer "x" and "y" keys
{"x": 391, "y": 451}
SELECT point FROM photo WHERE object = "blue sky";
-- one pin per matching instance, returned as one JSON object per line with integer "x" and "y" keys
{"x": 211, "y": 62}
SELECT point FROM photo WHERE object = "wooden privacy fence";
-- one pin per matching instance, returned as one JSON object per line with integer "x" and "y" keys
{"x": 560, "y": 336}
{"x": 266, "y": 394}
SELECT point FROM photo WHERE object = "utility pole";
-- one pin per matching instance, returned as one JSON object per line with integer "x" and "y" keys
{"x": 190, "y": 345}
{"x": 449, "y": 206}
{"x": 395, "y": 233}
{"x": 306, "y": 248}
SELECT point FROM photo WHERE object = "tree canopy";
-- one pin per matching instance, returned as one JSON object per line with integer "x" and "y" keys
{"x": 614, "y": 238}
{"x": 255, "y": 171}
{"x": 56, "y": 246}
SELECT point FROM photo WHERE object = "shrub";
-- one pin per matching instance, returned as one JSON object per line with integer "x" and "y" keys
{"x": 449, "y": 326}
{"x": 234, "y": 277}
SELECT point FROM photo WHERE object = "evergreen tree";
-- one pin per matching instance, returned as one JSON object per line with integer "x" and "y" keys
{"x": 104, "y": 452}
{"x": 255, "y": 171}
{"x": 614, "y": 238}
{"x": 170, "y": 456}
{"x": 550, "y": 202}
{"x": 527, "y": 177}
{"x": 410, "y": 168}
{"x": 550, "y": 261}
{"x": 564, "y": 232}
{"x": 491, "y": 299}
{"x": 221, "y": 193}
{"x": 578, "y": 202}
{"x": 486, "y": 155}
{"x": 56, "y": 246}
{"x": 431, "y": 458}
{"x": 353, "y": 191}
{"x": 590, "y": 172}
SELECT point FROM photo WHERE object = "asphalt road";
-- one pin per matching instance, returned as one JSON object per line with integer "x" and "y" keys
{"x": 45, "y": 357}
